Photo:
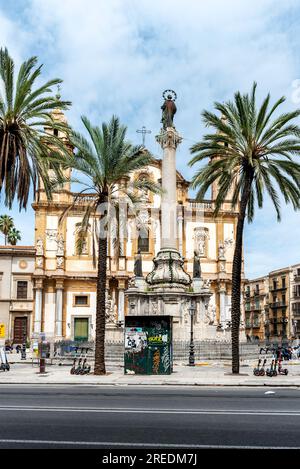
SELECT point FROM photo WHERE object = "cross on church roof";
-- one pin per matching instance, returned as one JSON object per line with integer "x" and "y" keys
{"x": 144, "y": 131}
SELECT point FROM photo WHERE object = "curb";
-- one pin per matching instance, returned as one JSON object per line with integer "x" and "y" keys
{"x": 247, "y": 385}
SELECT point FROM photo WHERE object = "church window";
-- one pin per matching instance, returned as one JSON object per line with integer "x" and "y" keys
{"x": 81, "y": 300}
{"x": 143, "y": 240}
{"x": 22, "y": 290}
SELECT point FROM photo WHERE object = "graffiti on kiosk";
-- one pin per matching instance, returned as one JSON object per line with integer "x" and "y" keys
{"x": 156, "y": 361}
{"x": 158, "y": 339}
{"x": 165, "y": 359}
{"x": 135, "y": 339}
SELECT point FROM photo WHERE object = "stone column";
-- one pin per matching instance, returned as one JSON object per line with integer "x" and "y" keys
{"x": 59, "y": 309}
{"x": 169, "y": 140}
{"x": 38, "y": 306}
{"x": 168, "y": 269}
{"x": 180, "y": 232}
{"x": 121, "y": 302}
{"x": 222, "y": 293}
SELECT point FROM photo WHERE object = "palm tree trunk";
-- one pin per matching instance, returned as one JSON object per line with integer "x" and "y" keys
{"x": 100, "y": 307}
{"x": 236, "y": 278}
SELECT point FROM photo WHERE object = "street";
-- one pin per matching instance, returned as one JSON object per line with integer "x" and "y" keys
{"x": 148, "y": 417}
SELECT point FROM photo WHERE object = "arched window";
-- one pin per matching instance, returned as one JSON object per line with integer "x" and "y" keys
{"x": 143, "y": 240}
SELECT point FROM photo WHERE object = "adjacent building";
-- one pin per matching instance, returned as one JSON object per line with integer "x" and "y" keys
{"x": 256, "y": 301}
{"x": 17, "y": 265}
{"x": 272, "y": 306}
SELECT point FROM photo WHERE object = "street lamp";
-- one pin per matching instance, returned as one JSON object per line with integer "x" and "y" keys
{"x": 24, "y": 340}
{"x": 192, "y": 310}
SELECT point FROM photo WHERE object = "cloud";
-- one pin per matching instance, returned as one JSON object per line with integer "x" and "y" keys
{"x": 117, "y": 57}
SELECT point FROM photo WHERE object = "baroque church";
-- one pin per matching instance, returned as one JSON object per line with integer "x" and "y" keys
{"x": 65, "y": 279}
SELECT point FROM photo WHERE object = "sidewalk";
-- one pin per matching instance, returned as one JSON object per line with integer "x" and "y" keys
{"x": 203, "y": 374}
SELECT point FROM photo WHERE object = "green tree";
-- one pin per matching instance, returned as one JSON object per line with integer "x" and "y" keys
{"x": 25, "y": 147}
{"x": 14, "y": 236}
{"x": 250, "y": 155}
{"x": 105, "y": 162}
{"x": 6, "y": 224}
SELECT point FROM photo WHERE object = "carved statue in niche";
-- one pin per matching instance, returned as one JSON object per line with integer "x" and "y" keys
{"x": 109, "y": 310}
{"x": 39, "y": 247}
{"x": 201, "y": 235}
{"x": 221, "y": 251}
{"x": 60, "y": 246}
{"x": 211, "y": 313}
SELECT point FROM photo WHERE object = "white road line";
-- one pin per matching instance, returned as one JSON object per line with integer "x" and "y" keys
{"x": 151, "y": 411}
{"x": 111, "y": 444}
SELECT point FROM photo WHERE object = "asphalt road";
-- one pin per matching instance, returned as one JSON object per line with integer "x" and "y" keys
{"x": 143, "y": 417}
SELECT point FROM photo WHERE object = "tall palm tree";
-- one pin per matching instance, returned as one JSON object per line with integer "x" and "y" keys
{"x": 250, "y": 155}
{"x": 25, "y": 148}
{"x": 6, "y": 224}
{"x": 106, "y": 159}
{"x": 14, "y": 236}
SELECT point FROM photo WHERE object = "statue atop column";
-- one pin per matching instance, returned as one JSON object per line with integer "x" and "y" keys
{"x": 138, "y": 267}
{"x": 197, "y": 266}
{"x": 168, "y": 108}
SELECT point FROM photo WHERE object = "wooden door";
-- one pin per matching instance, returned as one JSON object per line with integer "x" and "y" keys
{"x": 20, "y": 327}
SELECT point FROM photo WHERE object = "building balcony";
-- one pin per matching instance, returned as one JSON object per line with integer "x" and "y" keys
{"x": 278, "y": 304}
{"x": 203, "y": 206}
{"x": 277, "y": 289}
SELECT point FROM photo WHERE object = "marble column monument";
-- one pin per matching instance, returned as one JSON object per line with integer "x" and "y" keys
{"x": 169, "y": 289}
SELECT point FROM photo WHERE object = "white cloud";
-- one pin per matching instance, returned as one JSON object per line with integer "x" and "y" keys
{"x": 118, "y": 57}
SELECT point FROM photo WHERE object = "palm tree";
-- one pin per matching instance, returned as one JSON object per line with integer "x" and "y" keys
{"x": 105, "y": 160}
{"x": 6, "y": 224}
{"x": 250, "y": 155}
{"x": 25, "y": 147}
{"x": 14, "y": 236}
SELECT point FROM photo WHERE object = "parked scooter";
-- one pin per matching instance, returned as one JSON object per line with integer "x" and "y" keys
{"x": 78, "y": 368}
{"x": 270, "y": 370}
{"x": 275, "y": 368}
{"x": 4, "y": 366}
{"x": 262, "y": 370}
{"x": 281, "y": 371}
{"x": 256, "y": 370}
{"x": 72, "y": 370}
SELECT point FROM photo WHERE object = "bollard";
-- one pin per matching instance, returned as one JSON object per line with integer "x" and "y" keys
{"x": 42, "y": 365}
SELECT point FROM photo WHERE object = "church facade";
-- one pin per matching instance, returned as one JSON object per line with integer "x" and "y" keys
{"x": 65, "y": 279}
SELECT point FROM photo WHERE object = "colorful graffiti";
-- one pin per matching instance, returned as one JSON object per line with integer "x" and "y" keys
{"x": 156, "y": 361}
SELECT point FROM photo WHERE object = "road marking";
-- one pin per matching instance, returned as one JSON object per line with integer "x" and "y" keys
{"x": 270, "y": 392}
{"x": 104, "y": 410}
{"x": 110, "y": 444}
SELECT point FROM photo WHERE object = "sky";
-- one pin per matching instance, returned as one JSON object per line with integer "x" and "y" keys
{"x": 118, "y": 57}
